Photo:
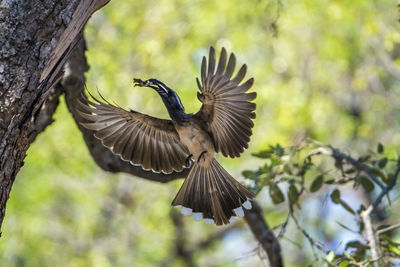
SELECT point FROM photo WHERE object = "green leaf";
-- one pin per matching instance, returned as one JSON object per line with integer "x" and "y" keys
{"x": 379, "y": 173}
{"x": 354, "y": 244}
{"x": 380, "y": 148}
{"x": 330, "y": 181}
{"x": 389, "y": 178}
{"x": 293, "y": 193}
{"x": 276, "y": 194}
{"x": 395, "y": 249}
{"x": 344, "y": 226}
{"x": 349, "y": 171}
{"x": 287, "y": 169}
{"x": 367, "y": 184}
{"x": 364, "y": 158}
{"x": 338, "y": 164}
{"x": 276, "y": 161}
{"x": 344, "y": 263}
{"x": 279, "y": 150}
{"x": 247, "y": 174}
{"x": 382, "y": 163}
{"x": 362, "y": 227}
{"x": 335, "y": 196}
{"x": 347, "y": 207}
{"x": 265, "y": 154}
{"x": 317, "y": 183}
{"x": 359, "y": 254}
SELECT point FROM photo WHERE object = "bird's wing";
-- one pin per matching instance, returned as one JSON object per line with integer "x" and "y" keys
{"x": 227, "y": 108}
{"x": 138, "y": 138}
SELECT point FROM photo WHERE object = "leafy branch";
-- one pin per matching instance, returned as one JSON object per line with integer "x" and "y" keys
{"x": 293, "y": 168}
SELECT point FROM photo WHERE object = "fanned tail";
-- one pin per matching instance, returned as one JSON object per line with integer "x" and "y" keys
{"x": 211, "y": 193}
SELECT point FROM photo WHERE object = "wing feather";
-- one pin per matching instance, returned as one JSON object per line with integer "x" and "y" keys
{"x": 138, "y": 138}
{"x": 227, "y": 107}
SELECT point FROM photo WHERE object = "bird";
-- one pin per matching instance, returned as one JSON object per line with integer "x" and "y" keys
{"x": 222, "y": 125}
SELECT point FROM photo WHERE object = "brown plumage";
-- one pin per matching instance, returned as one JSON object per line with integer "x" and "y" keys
{"x": 223, "y": 124}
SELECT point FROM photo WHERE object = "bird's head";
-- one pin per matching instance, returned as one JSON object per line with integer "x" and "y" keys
{"x": 169, "y": 96}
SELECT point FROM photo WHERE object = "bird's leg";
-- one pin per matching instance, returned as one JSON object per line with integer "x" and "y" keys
{"x": 202, "y": 153}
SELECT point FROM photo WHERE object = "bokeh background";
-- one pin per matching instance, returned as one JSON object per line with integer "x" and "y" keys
{"x": 324, "y": 69}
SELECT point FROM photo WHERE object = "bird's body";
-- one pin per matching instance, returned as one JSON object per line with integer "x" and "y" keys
{"x": 196, "y": 139}
{"x": 223, "y": 124}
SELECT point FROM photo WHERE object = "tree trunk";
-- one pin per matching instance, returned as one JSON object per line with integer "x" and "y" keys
{"x": 36, "y": 38}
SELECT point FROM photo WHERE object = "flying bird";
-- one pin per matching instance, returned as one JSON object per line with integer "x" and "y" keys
{"x": 223, "y": 124}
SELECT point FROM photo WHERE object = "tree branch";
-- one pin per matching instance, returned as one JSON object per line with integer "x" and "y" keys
{"x": 387, "y": 189}
{"x": 373, "y": 238}
{"x": 387, "y": 229}
{"x": 366, "y": 217}
{"x": 263, "y": 234}
{"x": 336, "y": 154}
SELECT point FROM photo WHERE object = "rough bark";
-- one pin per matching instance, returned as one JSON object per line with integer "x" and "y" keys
{"x": 36, "y": 38}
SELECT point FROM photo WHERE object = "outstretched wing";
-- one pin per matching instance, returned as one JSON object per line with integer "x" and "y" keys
{"x": 141, "y": 139}
{"x": 227, "y": 108}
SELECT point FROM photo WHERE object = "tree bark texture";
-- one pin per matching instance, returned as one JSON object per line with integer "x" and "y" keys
{"x": 36, "y": 38}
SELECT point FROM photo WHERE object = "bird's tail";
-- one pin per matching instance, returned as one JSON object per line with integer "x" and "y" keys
{"x": 211, "y": 193}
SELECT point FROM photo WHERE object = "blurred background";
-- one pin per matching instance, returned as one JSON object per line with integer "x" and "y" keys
{"x": 324, "y": 69}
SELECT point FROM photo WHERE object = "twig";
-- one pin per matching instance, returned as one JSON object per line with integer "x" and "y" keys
{"x": 338, "y": 155}
{"x": 387, "y": 189}
{"x": 341, "y": 156}
{"x": 314, "y": 244}
{"x": 389, "y": 228}
{"x": 366, "y": 217}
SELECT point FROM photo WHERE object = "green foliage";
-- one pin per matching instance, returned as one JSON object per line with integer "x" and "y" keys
{"x": 295, "y": 167}
{"x": 317, "y": 183}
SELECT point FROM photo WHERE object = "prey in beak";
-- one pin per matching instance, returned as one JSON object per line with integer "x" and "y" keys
{"x": 141, "y": 83}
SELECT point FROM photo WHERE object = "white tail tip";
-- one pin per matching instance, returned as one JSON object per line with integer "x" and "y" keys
{"x": 209, "y": 221}
{"x": 186, "y": 211}
{"x": 247, "y": 205}
{"x": 197, "y": 216}
{"x": 239, "y": 212}
{"x": 232, "y": 219}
